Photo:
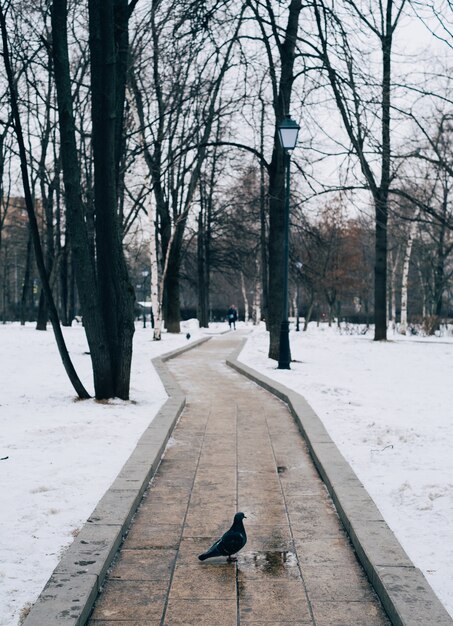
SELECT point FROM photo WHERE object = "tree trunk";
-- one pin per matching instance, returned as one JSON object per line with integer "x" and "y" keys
{"x": 263, "y": 230}
{"x": 41, "y": 320}
{"x": 78, "y": 237}
{"x": 26, "y": 296}
{"x": 276, "y": 246}
{"x": 116, "y": 294}
{"x": 106, "y": 296}
{"x": 380, "y": 272}
{"x": 245, "y": 299}
{"x": 308, "y": 314}
{"x": 393, "y": 265}
{"x": 64, "y": 277}
{"x": 405, "y": 276}
{"x": 257, "y": 292}
{"x": 358, "y": 134}
{"x": 277, "y": 183}
{"x": 172, "y": 307}
{"x": 71, "y": 290}
{"x": 381, "y": 198}
{"x": 439, "y": 273}
{"x": 156, "y": 307}
{"x": 202, "y": 272}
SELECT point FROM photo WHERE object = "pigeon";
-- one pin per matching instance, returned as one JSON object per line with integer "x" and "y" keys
{"x": 188, "y": 336}
{"x": 230, "y": 542}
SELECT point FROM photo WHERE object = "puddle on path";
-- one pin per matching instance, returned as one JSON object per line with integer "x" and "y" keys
{"x": 276, "y": 563}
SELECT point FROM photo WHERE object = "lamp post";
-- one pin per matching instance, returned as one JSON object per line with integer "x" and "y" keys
{"x": 288, "y": 130}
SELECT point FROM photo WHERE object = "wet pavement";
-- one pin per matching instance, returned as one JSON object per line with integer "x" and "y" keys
{"x": 235, "y": 448}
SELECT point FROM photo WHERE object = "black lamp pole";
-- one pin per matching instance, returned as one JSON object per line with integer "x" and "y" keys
{"x": 288, "y": 130}
{"x": 284, "y": 357}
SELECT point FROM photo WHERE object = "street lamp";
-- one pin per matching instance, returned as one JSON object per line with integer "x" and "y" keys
{"x": 288, "y": 130}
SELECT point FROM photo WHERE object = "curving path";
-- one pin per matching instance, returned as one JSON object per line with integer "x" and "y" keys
{"x": 235, "y": 448}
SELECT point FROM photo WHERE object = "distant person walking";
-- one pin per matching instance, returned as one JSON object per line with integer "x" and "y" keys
{"x": 232, "y": 316}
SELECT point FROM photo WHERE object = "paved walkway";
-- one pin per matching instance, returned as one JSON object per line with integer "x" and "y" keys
{"x": 236, "y": 448}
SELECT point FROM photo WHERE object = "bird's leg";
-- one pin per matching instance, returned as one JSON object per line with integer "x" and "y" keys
{"x": 231, "y": 559}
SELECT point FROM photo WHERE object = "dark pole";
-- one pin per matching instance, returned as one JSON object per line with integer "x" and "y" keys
{"x": 284, "y": 358}
{"x": 297, "y": 304}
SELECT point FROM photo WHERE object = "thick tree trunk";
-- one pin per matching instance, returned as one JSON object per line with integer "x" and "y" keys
{"x": 78, "y": 237}
{"x": 380, "y": 272}
{"x": 277, "y": 183}
{"x": 357, "y": 135}
{"x": 203, "y": 273}
{"x": 106, "y": 295}
{"x": 276, "y": 241}
{"x": 172, "y": 307}
{"x": 381, "y": 198}
{"x": 107, "y": 85}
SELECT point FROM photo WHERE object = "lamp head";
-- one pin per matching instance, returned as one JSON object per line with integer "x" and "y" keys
{"x": 288, "y": 130}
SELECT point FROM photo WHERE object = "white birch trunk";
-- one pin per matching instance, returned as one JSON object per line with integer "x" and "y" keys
{"x": 405, "y": 275}
{"x": 155, "y": 301}
{"x": 244, "y": 296}
{"x": 295, "y": 303}
{"x": 257, "y": 304}
{"x": 394, "y": 261}
{"x": 154, "y": 282}
{"x": 422, "y": 283}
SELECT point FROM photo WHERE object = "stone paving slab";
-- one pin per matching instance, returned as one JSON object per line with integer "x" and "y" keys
{"x": 235, "y": 447}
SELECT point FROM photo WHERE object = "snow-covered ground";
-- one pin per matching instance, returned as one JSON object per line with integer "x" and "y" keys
{"x": 59, "y": 454}
{"x": 389, "y": 408}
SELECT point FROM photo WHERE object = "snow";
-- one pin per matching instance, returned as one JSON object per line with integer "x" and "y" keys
{"x": 388, "y": 406}
{"x": 63, "y": 453}
{"x": 389, "y": 409}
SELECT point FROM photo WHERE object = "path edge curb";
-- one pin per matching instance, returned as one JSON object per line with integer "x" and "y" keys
{"x": 68, "y": 597}
{"x": 403, "y": 590}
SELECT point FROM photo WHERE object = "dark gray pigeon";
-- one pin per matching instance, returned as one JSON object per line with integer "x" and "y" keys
{"x": 230, "y": 542}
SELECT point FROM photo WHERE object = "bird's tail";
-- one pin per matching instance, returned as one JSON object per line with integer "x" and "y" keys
{"x": 203, "y": 556}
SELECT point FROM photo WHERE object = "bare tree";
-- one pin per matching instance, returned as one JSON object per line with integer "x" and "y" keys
{"x": 183, "y": 108}
{"x": 105, "y": 293}
{"x": 78, "y": 386}
{"x": 280, "y": 45}
{"x": 343, "y": 67}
